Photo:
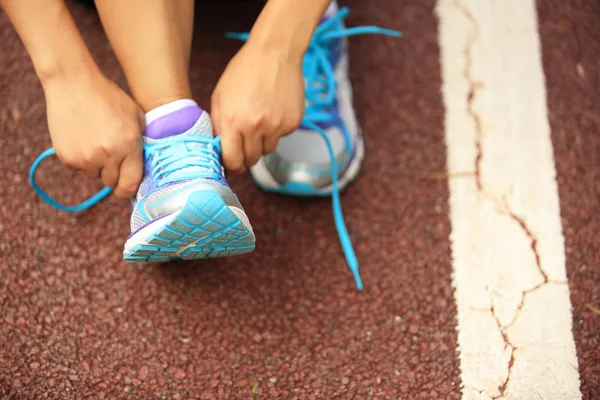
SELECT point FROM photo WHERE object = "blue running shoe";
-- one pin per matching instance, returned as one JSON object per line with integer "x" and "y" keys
{"x": 325, "y": 154}
{"x": 184, "y": 208}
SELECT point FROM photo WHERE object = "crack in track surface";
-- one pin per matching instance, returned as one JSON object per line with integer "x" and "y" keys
{"x": 474, "y": 87}
{"x": 534, "y": 242}
{"x": 534, "y": 248}
{"x": 507, "y": 344}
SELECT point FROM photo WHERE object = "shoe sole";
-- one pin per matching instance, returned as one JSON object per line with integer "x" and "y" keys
{"x": 264, "y": 179}
{"x": 205, "y": 228}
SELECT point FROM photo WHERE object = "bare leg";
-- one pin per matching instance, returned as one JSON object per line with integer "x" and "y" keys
{"x": 152, "y": 40}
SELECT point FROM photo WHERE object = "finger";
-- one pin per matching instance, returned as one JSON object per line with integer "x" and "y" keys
{"x": 91, "y": 173}
{"x": 253, "y": 149}
{"x": 232, "y": 144}
{"x": 141, "y": 120}
{"x": 130, "y": 175}
{"x": 215, "y": 116}
{"x": 269, "y": 144}
{"x": 110, "y": 174}
{"x": 232, "y": 151}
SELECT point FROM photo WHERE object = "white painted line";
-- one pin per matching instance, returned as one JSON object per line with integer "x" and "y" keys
{"x": 514, "y": 313}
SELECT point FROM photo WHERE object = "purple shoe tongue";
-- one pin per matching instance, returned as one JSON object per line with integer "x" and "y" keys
{"x": 175, "y": 123}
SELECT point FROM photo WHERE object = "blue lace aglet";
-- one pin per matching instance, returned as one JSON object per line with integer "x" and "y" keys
{"x": 357, "y": 279}
{"x": 347, "y": 248}
{"x": 352, "y": 262}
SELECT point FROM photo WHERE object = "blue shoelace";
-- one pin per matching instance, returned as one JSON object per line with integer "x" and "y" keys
{"x": 171, "y": 159}
{"x": 320, "y": 91}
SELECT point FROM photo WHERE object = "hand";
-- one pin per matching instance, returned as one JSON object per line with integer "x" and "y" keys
{"x": 96, "y": 128}
{"x": 259, "y": 99}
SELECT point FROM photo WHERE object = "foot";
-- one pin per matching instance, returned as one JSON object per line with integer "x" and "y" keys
{"x": 330, "y": 135}
{"x": 184, "y": 208}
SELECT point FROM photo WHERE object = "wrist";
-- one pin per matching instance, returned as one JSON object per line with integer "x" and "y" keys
{"x": 277, "y": 48}
{"x": 285, "y": 26}
{"x": 66, "y": 67}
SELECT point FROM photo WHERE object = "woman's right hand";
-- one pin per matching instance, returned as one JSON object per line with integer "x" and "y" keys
{"x": 97, "y": 128}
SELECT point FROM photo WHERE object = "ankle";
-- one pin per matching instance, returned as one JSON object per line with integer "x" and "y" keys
{"x": 150, "y": 103}
{"x": 168, "y": 107}
{"x": 172, "y": 118}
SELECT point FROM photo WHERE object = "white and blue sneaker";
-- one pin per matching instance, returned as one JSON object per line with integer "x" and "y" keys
{"x": 325, "y": 154}
{"x": 184, "y": 208}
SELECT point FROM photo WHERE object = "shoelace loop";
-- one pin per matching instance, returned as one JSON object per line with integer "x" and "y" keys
{"x": 53, "y": 202}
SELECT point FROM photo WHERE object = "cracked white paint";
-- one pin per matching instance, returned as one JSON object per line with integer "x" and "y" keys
{"x": 514, "y": 313}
